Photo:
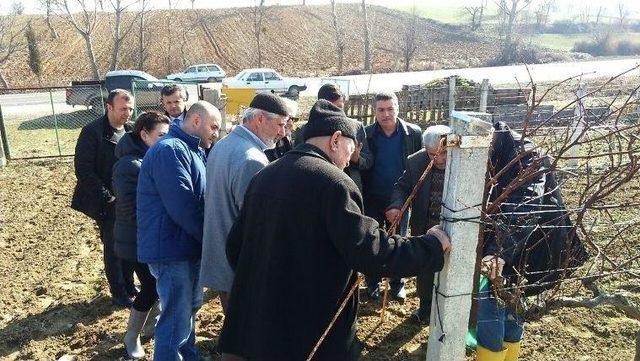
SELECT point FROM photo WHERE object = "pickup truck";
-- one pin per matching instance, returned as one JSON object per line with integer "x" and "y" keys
{"x": 93, "y": 94}
{"x": 265, "y": 79}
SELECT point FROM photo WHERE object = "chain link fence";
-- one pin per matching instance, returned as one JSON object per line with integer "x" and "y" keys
{"x": 46, "y": 121}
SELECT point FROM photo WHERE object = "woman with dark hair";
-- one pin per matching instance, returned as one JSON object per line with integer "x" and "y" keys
{"x": 149, "y": 128}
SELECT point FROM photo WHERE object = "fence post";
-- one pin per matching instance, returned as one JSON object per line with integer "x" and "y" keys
{"x": 4, "y": 141}
{"x": 452, "y": 94}
{"x": 484, "y": 95}
{"x": 467, "y": 155}
{"x": 578, "y": 124}
{"x": 214, "y": 97}
{"x": 55, "y": 121}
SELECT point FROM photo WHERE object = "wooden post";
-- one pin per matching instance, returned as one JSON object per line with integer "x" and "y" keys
{"x": 578, "y": 124}
{"x": 484, "y": 95}
{"x": 467, "y": 154}
{"x": 4, "y": 144}
{"x": 452, "y": 94}
{"x": 214, "y": 97}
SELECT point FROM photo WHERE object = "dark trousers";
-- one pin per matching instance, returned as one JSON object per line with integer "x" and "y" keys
{"x": 119, "y": 272}
{"x": 148, "y": 294}
{"x": 375, "y": 207}
{"x": 424, "y": 286}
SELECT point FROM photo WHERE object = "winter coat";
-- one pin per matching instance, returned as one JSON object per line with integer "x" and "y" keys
{"x": 234, "y": 161}
{"x": 295, "y": 249}
{"x": 416, "y": 165}
{"x": 532, "y": 231}
{"x": 129, "y": 151}
{"x": 170, "y": 199}
{"x": 94, "y": 159}
{"x": 411, "y": 143}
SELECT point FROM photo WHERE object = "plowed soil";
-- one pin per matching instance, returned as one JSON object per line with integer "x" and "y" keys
{"x": 54, "y": 298}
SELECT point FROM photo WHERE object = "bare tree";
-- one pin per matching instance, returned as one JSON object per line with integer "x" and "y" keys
{"x": 476, "y": 13}
{"x": 142, "y": 44}
{"x": 409, "y": 41}
{"x": 168, "y": 55}
{"x": 84, "y": 22}
{"x": 338, "y": 34}
{"x": 585, "y": 14}
{"x": 11, "y": 41}
{"x": 623, "y": 15}
{"x": 509, "y": 11}
{"x": 48, "y": 8}
{"x": 258, "y": 16}
{"x": 119, "y": 28}
{"x": 542, "y": 12}
{"x": 600, "y": 14}
{"x": 17, "y": 7}
{"x": 367, "y": 38}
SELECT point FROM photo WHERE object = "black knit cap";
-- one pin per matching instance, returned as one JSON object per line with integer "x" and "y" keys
{"x": 270, "y": 103}
{"x": 330, "y": 92}
{"x": 326, "y": 119}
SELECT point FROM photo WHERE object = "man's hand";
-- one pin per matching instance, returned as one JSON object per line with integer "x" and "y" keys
{"x": 492, "y": 266}
{"x": 442, "y": 236}
{"x": 355, "y": 156}
{"x": 392, "y": 214}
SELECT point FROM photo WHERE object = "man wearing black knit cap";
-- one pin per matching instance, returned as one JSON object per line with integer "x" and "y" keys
{"x": 233, "y": 162}
{"x": 300, "y": 236}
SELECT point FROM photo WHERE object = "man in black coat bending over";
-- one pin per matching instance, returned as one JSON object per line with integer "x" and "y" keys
{"x": 93, "y": 194}
{"x": 300, "y": 238}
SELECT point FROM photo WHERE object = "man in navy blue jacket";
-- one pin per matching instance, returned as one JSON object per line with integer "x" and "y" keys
{"x": 170, "y": 202}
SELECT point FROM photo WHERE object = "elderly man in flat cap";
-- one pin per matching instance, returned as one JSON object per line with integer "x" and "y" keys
{"x": 300, "y": 236}
{"x": 233, "y": 162}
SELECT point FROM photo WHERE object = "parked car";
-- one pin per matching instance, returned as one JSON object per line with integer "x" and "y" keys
{"x": 266, "y": 80}
{"x": 200, "y": 73}
{"x": 93, "y": 94}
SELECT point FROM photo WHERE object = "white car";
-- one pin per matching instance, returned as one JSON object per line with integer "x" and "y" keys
{"x": 265, "y": 79}
{"x": 199, "y": 73}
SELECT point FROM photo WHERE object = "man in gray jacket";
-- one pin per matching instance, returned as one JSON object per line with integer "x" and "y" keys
{"x": 231, "y": 165}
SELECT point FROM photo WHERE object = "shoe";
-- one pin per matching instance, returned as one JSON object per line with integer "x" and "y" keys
{"x": 513, "y": 350}
{"x": 122, "y": 301}
{"x": 483, "y": 354}
{"x": 422, "y": 318}
{"x": 132, "y": 290}
{"x": 400, "y": 294}
{"x": 373, "y": 294}
{"x": 131, "y": 340}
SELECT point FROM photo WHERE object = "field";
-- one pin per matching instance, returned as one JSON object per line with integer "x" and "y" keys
{"x": 565, "y": 42}
{"x": 55, "y": 299}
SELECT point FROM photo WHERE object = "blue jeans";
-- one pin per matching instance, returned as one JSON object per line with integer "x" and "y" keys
{"x": 180, "y": 297}
{"x": 496, "y": 324}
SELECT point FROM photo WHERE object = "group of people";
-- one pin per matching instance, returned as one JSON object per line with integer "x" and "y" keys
{"x": 277, "y": 222}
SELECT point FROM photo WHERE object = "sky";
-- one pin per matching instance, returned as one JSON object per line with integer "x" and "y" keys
{"x": 32, "y": 6}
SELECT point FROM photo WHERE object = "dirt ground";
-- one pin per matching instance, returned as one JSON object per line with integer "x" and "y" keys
{"x": 54, "y": 297}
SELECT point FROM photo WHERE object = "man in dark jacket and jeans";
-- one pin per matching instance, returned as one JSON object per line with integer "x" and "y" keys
{"x": 391, "y": 140}
{"x": 93, "y": 194}
{"x": 295, "y": 264}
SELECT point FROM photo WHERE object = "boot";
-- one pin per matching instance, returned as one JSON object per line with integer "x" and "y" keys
{"x": 132, "y": 337}
{"x": 150, "y": 326}
{"x": 483, "y": 354}
{"x": 513, "y": 350}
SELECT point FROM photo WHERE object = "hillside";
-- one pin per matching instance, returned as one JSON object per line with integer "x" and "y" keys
{"x": 297, "y": 40}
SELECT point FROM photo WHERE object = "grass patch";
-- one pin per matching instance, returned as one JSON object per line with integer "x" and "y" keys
{"x": 566, "y": 42}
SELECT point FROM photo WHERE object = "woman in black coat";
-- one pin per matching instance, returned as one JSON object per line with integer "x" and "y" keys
{"x": 149, "y": 128}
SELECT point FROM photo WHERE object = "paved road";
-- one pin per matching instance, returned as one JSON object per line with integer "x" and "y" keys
{"x": 393, "y": 81}
{"x": 496, "y": 75}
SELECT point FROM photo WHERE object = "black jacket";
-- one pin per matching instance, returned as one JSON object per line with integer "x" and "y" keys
{"x": 295, "y": 264}
{"x": 411, "y": 143}
{"x": 93, "y": 161}
{"x": 416, "y": 165}
{"x": 129, "y": 152}
{"x": 532, "y": 231}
